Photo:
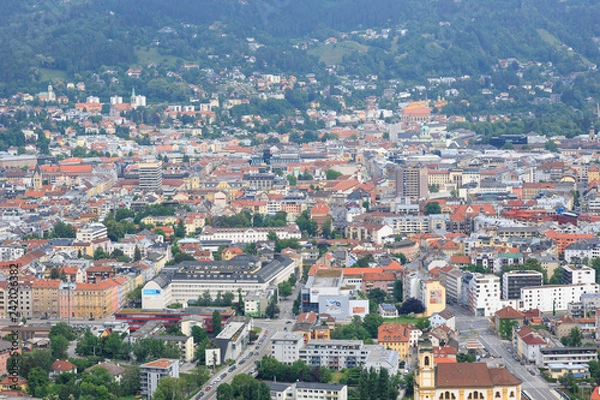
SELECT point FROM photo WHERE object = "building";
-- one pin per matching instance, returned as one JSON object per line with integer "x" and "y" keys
{"x": 462, "y": 381}
{"x": 398, "y": 337}
{"x": 232, "y": 340}
{"x": 411, "y": 182}
{"x": 189, "y": 280}
{"x": 60, "y": 367}
{"x": 45, "y": 298}
{"x": 150, "y": 176}
{"x": 249, "y": 235}
{"x": 579, "y": 371}
{"x": 484, "y": 295}
{"x": 6, "y": 350}
{"x": 551, "y": 298}
{"x": 307, "y": 390}
{"x": 451, "y": 279}
{"x": 514, "y": 281}
{"x": 154, "y": 371}
{"x": 528, "y": 344}
{"x": 255, "y": 303}
{"x": 185, "y": 344}
{"x": 91, "y": 232}
{"x": 574, "y": 274}
{"x": 342, "y": 354}
{"x": 566, "y": 355}
{"x": 285, "y": 346}
{"x": 433, "y": 297}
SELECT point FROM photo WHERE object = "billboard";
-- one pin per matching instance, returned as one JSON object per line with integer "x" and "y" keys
{"x": 436, "y": 297}
{"x": 151, "y": 292}
{"x": 333, "y": 306}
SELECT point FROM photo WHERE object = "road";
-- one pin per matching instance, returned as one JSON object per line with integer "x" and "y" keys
{"x": 478, "y": 327}
{"x": 268, "y": 328}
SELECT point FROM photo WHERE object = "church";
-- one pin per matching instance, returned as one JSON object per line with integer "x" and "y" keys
{"x": 462, "y": 381}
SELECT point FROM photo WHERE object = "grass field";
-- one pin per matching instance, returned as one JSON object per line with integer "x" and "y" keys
{"x": 554, "y": 41}
{"x": 147, "y": 56}
{"x": 333, "y": 53}
{"x": 403, "y": 320}
{"x": 47, "y": 74}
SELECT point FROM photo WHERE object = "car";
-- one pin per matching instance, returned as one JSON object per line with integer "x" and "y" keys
{"x": 257, "y": 347}
{"x": 232, "y": 368}
{"x": 208, "y": 388}
{"x": 200, "y": 395}
{"x": 43, "y": 317}
{"x": 218, "y": 379}
{"x": 223, "y": 375}
{"x": 251, "y": 354}
{"x": 288, "y": 322}
{"x": 243, "y": 360}
{"x": 532, "y": 372}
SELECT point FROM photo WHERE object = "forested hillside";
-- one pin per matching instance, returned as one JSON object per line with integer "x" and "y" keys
{"x": 40, "y": 39}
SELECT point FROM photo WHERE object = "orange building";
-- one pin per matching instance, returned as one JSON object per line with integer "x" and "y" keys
{"x": 96, "y": 300}
{"x": 399, "y": 337}
{"x": 564, "y": 239}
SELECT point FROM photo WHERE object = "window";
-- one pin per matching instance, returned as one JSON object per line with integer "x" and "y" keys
{"x": 426, "y": 361}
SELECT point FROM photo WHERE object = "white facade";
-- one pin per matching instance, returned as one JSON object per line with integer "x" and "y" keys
{"x": 452, "y": 281}
{"x": 554, "y": 297}
{"x": 578, "y": 274}
{"x": 154, "y": 371}
{"x": 249, "y": 235}
{"x": 285, "y": 346}
{"x": 9, "y": 253}
{"x": 484, "y": 296}
{"x": 91, "y": 232}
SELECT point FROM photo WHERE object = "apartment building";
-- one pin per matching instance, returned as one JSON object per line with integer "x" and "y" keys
{"x": 514, "y": 281}
{"x": 151, "y": 373}
{"x": 285, "y": 346}
{"x": 249, "y": 235}
{"x": 45, "y": 298}
{"x": 551, "y": 298}
{"x": 91, "y": 232}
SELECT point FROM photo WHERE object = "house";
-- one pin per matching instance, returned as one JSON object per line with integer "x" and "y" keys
{"x": 506, "y": 319}
{"x": 387, "y": 310}
{"x": 115, "y": 370}
{"x": 445, "y": 317}
{"x": 528, "y": 344}
{"x": 60, "y": 367}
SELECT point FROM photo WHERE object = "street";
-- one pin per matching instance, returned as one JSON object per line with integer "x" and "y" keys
{"x": 470, "y": 327}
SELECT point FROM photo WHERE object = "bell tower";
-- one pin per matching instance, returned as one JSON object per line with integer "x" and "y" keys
{"x": 37, "y": 179}
{"x": 425, "y": 375}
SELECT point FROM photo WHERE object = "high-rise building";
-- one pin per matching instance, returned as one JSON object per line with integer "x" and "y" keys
{"x": 151, "y": 176}
{"x": 514, "y": 281}
{"x": 151, "y": 373}
{"x": 411, "y": 182}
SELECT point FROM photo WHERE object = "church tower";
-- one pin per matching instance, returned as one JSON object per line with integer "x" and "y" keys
{"x": 37, "y": 179}
{"x": 592, "y": 133}
{"x": 425, "y": 375}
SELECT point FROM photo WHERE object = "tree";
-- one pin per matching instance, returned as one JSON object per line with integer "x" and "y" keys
{"x": 63, "y": 329}
{"x": 332, "y": 174}
{"x": 224, "y": 392}
{"x": 169, "y": 388}
{"x": 99, "y": 253}
{"x": 292, "y": 180}
{"x": 398, "y": 291}
{"x": 423, "y": 324}
{"x": 326, "y": 229}
{"x": 54, "y": 273}
{"x": 371, "y": 323}
{"x": 272, "y": 309}
{"x": 377, "y": 295}
{"x": 411, "y": 305}
{"x": 38, "y": 382}
{"x": 63, "y": 230}
{"x": 272, "y": 236}
{"x": 137, "y": 255}
{"x": 59, "y": 345}
{"x": 130, "y": 381}
{"x": 216, "y": 322}
{"x": 568, "y": 382}
{"x": 551, "y": 146}
{"x": 432, "y": 207}
{"x": 574, "y": 338}
{"x": 505, "y": 328}
{"x": 284, "y": 289}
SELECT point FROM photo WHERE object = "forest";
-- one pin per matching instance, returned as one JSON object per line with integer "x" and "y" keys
{"x": 44, "y": 38}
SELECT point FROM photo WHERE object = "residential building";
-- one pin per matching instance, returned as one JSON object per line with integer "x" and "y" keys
{"x": 255, "y": 303}
{"x": 566, "y": 355}
{"x": 151, "y": 373}
{"x": 574, "y": 274}
{"x": 185, "y": 344}
{"x": 60, "y": 367}
{"x": 484, "y": 295}
{"x": 411, "y": 182}
{"x": 398, "y": 337}
{"x": 433, "y": 297}
{"x": 285, "y": 346}
{"x": 451, "y": 279}
{"x": 91, "y": 232}
{"x": 45, "y": 298}
{"x": 6, "y": 349}
{"x": 528, "y": 344}
{"x": 552, "y": 298}
{"x": 232, "y": 340}
{"x": 307, "y": 390}
{"x": 514, "y": 281}
{"x": 249, "y": 235}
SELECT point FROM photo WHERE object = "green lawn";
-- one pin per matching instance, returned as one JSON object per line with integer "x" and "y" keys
{"x": 336, "y": 376}
{"x": 403, "y": 320}
{"x": 333, "y": 53}
{"x": 150, "y": 55}
{"x": 554, "y": 41}
{"x": 47, "y": 74}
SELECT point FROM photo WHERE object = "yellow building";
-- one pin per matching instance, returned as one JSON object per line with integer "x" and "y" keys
{"x": 462, "y": 381}
{"x": 44, "y": 296}
{"x": 398, "y": 337}
{"x": 160, "y": 220}
{"x": 593, "y": 174}
{"x": 96, "y": 300}
{"x": 433, "y": 296}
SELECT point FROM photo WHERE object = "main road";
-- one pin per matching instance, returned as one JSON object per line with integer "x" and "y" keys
{"x": 471, "y": 327}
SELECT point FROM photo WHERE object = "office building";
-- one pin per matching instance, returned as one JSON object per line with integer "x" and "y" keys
{"x": 514, "y": 281}
{"x": 411, "y": 182}
{"x": 150, "y": 176}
